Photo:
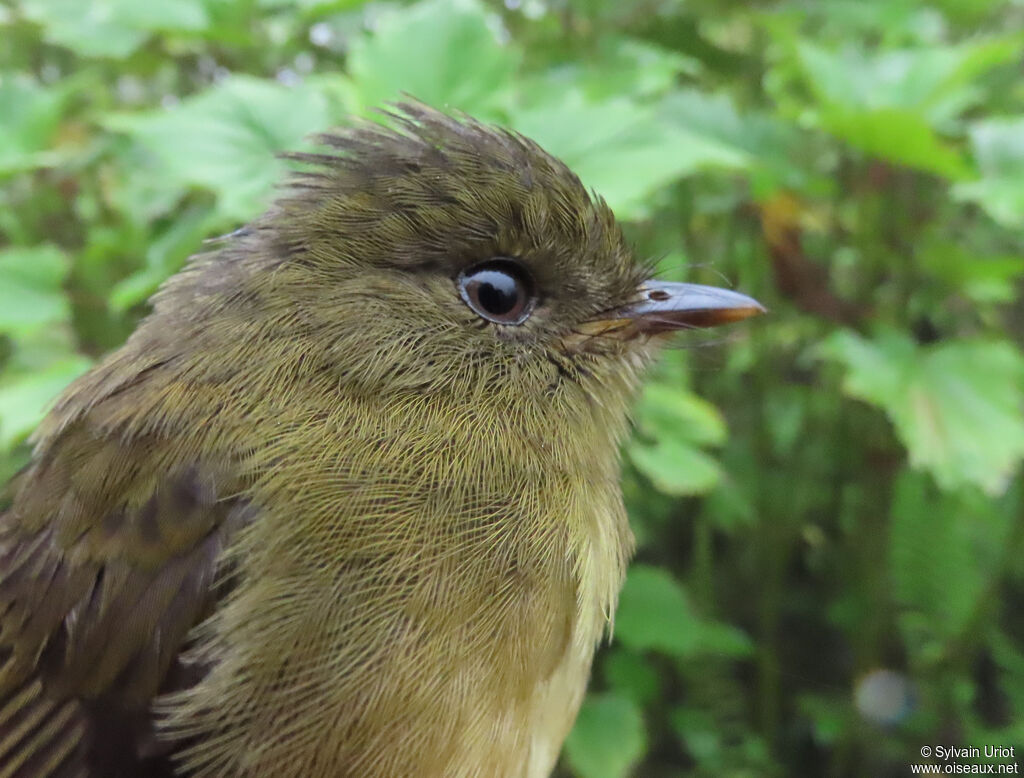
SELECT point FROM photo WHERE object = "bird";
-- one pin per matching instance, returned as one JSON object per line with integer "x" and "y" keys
{"x": 347, "y": 502}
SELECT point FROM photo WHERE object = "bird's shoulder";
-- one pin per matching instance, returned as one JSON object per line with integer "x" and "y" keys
{"x": 111, "y": 549}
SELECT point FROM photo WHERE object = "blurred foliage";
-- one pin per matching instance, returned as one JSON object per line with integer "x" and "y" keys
{"x": 831, "y": 545}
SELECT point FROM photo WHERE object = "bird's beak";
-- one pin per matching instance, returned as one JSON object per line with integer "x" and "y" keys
{"x": 665, "y": 306}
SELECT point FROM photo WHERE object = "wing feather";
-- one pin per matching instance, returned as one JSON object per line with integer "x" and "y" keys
{"x": 109, "y": 556}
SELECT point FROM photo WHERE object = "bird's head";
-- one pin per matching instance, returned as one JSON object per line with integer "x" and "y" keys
{"x": 439, "y": 255}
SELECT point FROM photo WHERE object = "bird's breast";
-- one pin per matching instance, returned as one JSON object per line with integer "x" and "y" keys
{"x": 425, "y": 600}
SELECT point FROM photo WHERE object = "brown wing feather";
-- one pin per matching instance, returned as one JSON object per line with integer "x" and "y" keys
{"x": 109, "y": 551}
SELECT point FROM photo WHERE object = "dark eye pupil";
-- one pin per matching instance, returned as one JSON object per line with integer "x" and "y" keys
{"x": 498, "y": 293}
{"x": 499, "y": 290}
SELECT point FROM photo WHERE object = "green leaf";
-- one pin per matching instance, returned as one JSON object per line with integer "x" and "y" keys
{"x": 443, "y": 52}
{"x": 675, "y": 467}
{"x": 655, "y": 613}
{"x": 981, "y": 278}
{"x": 998, "y": 148}
{"x": 620, "y": 65}
{"x": 318, "y": 6}
{"x": 764, "y": 145}
{"x": 957, "y": 407}
{"x": 896, "y": 22}
{"x": 31, "y": 293}
{"x": 624, "y": 151}
{"x": 112, "y": 28}
{"x": 225, "y": 138}
{"x": 931, "y": 82}
{"x": 897, "y": 135}
{"x": 609, "y": 737}
{"x": 25, "y": 397}
{"x": 165, "y": 255}
{"x": 671, "y": 412}
{"x": 29, "y": 118}
{"x": 890, "y": 104}
{"x": 672, "y": 422}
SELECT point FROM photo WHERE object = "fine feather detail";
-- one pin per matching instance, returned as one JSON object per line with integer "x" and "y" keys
{"x": 418, "y": 516}
{"x": 97, "y": 596}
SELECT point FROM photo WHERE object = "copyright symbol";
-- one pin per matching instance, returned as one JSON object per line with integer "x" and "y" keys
{"x": 926, "y": 751}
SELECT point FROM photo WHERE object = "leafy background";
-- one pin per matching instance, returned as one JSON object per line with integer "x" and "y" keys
{"x": 830, "y": 570}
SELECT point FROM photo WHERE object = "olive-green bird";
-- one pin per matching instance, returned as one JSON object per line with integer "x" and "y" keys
{"x": 347, "y": 502}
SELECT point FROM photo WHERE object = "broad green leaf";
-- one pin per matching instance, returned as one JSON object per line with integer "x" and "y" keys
{"x": 998, "y": 148}
{"x": 31, "y": 293}
{"x": 968, "y": 11}
{"x": 897, "y": 22}
{"x": 620, "y": 65}
{"x": 897, "y": 135}
{"x": 957, "y": 407}
{"x": 29, "y": 117}
{"x": 225, "y": 138}
{"x": 609, "y": 737}
{"x": 655, "y": 613}
{"x": 891, "y": 104}
{"x": 930, "y": 82}
{"x": 764, "y": 145}
{"x": 25, "y": 397}
{"x": 139, "y": 185}
{"x": 981, "y": 278}
{"x": 621, "y": 149}
{"x": 319, "y": 6}
{"x": 672, "y": 422}
{"x": 675, "y": 467}
{"x": 672, "y": 412}
{"x": 165, "y": 255}
{"x": 1002, "y": 198}
{"x": 443, "y": 52}
{"x": 112, "y": 28}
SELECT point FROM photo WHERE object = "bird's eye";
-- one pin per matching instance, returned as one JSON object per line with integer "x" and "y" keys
{"x": 499, "y": 290}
